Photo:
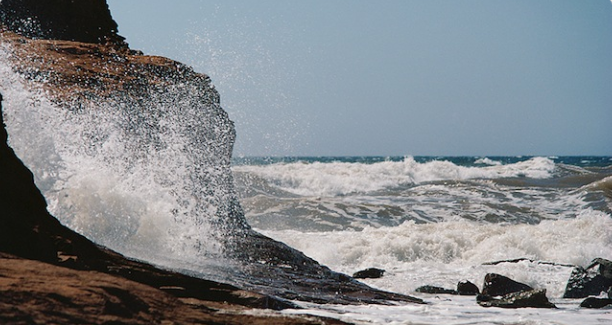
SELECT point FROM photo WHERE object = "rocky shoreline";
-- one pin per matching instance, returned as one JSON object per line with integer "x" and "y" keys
{"x": 50, "y": 274}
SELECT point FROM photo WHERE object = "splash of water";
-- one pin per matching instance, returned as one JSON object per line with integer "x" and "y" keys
{"x": 146, "y": 175}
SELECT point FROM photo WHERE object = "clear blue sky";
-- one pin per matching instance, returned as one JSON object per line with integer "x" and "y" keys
{"x": 487, "y": 77}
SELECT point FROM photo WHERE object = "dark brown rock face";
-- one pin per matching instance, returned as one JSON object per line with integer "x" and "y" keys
{"x": 86, "y": 21}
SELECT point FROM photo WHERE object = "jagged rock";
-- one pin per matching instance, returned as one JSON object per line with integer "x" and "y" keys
{"x": 593, "y": 302}
{"x": 467, "y": 288}
{"x": 499, "y": 285}
{"x": 521, "y": 299}
{"x": 593, "y": 280}
{"x": 370, "y": 273}
{"x": 435, "y": 290}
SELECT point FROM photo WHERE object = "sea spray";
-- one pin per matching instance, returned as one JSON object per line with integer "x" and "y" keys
{"x": 145, "y": 172}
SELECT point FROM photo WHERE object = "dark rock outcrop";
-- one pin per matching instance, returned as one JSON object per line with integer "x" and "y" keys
{"x": 592, "y": 280}
{"x": 521, "y": 299}
{"x": 596, "y": 303}
{"x": 369, "y": 273}
{"x": 499, "y": 285}
{"x": 86, "y": 21}
{"x": 464, "y": 288}
{"x": 467, "y": 288}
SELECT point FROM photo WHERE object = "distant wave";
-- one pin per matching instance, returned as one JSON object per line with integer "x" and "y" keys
{"x": 341, "y": 178}
{"x": 488, "y": 161}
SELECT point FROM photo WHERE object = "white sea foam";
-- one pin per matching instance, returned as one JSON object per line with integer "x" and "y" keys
{"x": 444, "y": 253}
{"x": 340, "y": 178}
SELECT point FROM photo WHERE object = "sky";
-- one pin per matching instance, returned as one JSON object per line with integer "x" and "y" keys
{"x": 395, "y": 78}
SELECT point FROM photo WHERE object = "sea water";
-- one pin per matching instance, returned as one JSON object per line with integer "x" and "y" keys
{"x": 437, "y": 221}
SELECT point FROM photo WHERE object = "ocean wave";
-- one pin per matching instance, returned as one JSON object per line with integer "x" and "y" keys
{"x": 426, "y": 253}
{"x": 342, "y": 178}
{"x": 573, "y": 241}
{"x": 488, "y": 161}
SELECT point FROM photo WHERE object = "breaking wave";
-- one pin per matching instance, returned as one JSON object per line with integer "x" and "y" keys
{"x": 341, "y": 178}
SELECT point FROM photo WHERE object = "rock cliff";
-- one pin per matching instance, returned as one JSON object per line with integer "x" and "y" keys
{"x": 159, "y": 126}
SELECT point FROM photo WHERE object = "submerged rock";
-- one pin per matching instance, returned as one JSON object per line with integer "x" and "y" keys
{"x": 370, "y": 273}
{"x": 499, "y": 285}
{"x": 521, "y": 299}
{"x": 435, "y": 290}
{"x": 464, "y": 288}
{"x": 592, "y": 280}
{"x": 595, "y": 303}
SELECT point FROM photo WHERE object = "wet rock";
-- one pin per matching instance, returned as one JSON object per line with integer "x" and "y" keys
{"x": 370, "y": 273}
{"x": 435, "y": 290}
{"x": 593, "y": 280}
{"x": 522, "y": 299}
{"x": 499, "y": 285}
{"x": 467, "y": 288}
{"x": 593, "y": 302}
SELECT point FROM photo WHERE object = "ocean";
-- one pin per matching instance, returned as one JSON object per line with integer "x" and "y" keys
{"x": 437, "y": 221}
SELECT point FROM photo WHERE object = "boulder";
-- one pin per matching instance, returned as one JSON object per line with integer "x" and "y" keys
{"x": 499, "y": 285}
{"x": 593, "y": 302}
{"x": 435, "y": 290}
{"x": 467, "y": 288}
{"x": 522, "y": 299}
{"x": 592, "y": 280}
{"x": 370, "y": 273}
